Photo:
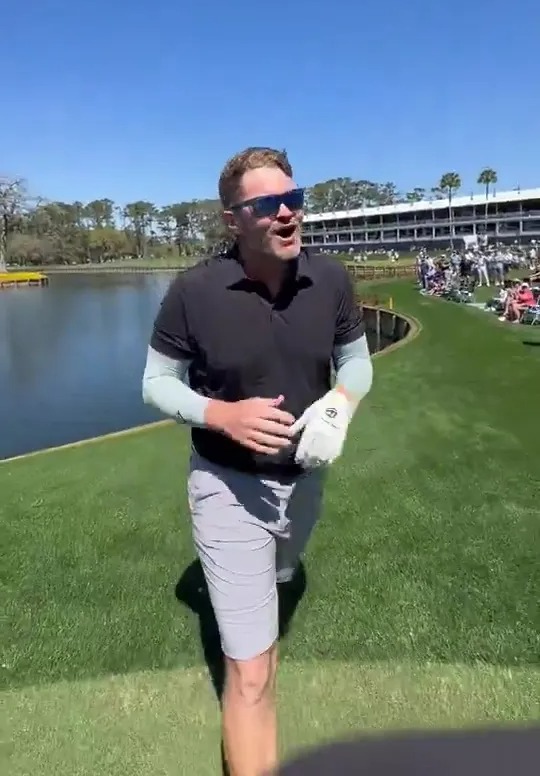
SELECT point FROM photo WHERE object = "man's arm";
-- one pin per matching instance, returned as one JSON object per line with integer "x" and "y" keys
{"x": 171, "y": 351}
{"x": 349, "y": 320}
{"x": 351, "y": 357}
{"x": 165, "y": 387}
{"x": 354, "y": 370}
{"x": 326, "y": 421}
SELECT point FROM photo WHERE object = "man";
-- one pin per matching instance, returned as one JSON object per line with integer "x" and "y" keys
{"x": 481, "y": 268}
{"x": 241, "y": 351}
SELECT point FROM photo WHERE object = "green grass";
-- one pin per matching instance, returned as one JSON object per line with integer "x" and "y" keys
{"x": 158, "y": 262}
{"x": 167, "y": 722}
{"x": 524, "y": 334}
{"x": 423, "y": 577}
{"x": 161, "y": 262}
{"x": 179, "y": 262}
{"x": 382, "y": 260}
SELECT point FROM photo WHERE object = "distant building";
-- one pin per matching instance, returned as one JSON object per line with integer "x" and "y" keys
{"x": 511, "y": 216}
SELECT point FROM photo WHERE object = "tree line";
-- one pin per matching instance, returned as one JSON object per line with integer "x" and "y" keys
{"x": 34, "y": 231}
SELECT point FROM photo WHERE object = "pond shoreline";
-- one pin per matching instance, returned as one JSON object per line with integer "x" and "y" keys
{"x": 99, "y": 269}
{"x": 358, "y": 271}
{"x": 113, "y": 406}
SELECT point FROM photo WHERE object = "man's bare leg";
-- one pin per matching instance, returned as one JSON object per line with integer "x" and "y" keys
{"x": 249, "y": 715}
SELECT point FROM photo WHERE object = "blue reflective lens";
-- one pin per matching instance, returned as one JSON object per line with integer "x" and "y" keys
{"x": 269, "y": 205}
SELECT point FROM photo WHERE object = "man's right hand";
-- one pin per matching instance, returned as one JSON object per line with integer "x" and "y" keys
{"x": 258, "y": 424}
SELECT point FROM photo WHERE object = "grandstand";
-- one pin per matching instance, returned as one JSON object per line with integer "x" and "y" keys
{"x": 511, "y": 216}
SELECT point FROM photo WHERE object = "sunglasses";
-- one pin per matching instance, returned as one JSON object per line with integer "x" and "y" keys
{"x": 268, "y": 206}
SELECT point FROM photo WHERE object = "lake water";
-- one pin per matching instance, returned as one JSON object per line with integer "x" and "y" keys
{"x": 72, "y": 357}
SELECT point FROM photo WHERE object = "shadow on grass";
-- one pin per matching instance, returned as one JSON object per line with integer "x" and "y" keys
{"x": 532, "y": 343}
{"x": 497, "y": 751}
{"x": 191, "y": 590}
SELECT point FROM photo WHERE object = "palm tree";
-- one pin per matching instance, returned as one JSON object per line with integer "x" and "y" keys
{"x": 487, "y": 178}
{"x": 450, "y": 183}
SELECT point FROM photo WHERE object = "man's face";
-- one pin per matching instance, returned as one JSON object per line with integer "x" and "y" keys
{"x": 266, "y": 224}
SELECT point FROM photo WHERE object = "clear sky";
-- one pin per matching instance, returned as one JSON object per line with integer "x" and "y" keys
{"x": 146, "y": 100}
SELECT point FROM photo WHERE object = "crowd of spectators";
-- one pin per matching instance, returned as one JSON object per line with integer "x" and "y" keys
{"x": 457, "y": 275}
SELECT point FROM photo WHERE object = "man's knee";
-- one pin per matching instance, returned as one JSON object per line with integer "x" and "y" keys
{"x": 252, "y": 680}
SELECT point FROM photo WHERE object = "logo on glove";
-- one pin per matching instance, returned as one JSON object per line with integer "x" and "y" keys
{"x": 324, "y": 428}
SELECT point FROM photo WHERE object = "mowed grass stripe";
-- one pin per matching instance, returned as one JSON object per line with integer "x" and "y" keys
{"x": 427, "y": 550}
{"x": 167, "y": 722}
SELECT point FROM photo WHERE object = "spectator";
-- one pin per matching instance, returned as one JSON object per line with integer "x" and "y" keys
{"x": 520, "y": 299}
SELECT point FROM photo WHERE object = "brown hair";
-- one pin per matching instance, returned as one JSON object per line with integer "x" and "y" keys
{"x": 250, "y": 159}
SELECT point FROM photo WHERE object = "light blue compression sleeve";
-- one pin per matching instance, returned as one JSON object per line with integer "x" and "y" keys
{"x": 165, "y": 386}
{"x": 165, "y": 381}
{"x": 354, "y": 370}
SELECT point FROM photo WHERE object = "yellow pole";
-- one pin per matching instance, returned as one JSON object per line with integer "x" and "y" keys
{"x": 390, "y": 304}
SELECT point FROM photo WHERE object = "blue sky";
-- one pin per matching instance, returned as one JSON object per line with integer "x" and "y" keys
{"x": 138, "y": 100}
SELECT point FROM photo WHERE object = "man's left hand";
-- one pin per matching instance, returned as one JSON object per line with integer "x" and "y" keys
{"x": 324, "y": 424}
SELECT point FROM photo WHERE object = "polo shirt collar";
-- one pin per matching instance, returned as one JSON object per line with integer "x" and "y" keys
{"x": 236, "y": 273}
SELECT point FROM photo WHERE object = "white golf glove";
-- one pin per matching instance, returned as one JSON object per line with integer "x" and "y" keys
{"x": 325, "y": 424}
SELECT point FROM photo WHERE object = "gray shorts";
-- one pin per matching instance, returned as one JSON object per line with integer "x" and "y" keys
{"x": 249, "y": 533}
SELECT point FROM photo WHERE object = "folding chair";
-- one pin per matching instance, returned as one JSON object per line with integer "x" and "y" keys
{"x": 531, "y": 316}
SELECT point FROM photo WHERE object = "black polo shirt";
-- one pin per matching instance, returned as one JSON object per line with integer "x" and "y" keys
{"x": 243, "y": 344}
